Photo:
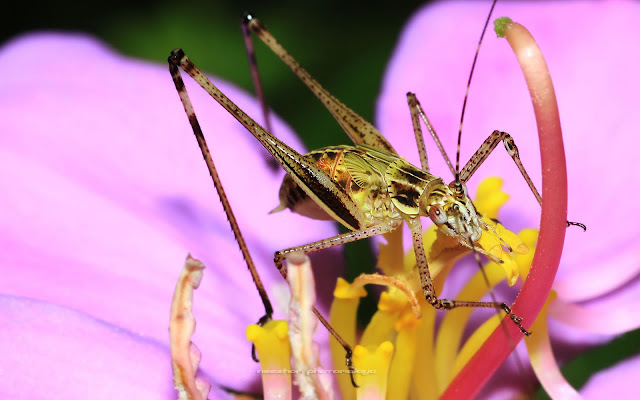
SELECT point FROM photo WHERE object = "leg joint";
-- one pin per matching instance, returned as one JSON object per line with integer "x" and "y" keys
{"x": 446, "y": 304}
{"x": 432, "y": 299}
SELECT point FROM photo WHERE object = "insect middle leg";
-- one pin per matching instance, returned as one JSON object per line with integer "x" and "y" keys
{"x": 487, "y": 147}
{"x": 429, "y": 290}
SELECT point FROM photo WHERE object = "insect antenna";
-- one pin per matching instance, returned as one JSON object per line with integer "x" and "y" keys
{"x": 466, "y": 94}
{"x": 460, "y": 189}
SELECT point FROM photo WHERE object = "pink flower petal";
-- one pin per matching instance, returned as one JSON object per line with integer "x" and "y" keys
{"x": 107, "y": 193}
{"x": 617, "y": 382}
{"x": 610, "y": 315}
{"x": 544, "y": 362}
{"x": 54, "y": 352}
{"x": 593, "y": 68}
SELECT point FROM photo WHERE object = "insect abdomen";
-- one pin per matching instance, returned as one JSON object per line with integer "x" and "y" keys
{"x": 361, "y": 177}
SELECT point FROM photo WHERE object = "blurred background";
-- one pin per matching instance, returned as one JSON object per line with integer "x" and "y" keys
{"x": 344, "y": 46}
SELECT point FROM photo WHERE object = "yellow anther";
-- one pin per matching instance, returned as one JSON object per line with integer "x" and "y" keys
{"x": 392, "y": 300}
{"x": 272, "y": 344}
{"x": 345, "y": 290}
{"x": 274, "y": 351}
{"x": 490, "y": 197}
{"x": 494, "y": 246}
{"x": 372, "y": 370}
{"x": 407, "y": 320}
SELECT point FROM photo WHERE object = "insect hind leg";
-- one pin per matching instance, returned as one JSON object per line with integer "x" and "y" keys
{"x": 173, "y": 60}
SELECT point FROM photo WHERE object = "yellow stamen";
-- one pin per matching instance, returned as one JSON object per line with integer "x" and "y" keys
{"x": 272, "y": 345}
{"x": 476, "y": 340}
{"x": 372, "y": 365}
{"x": 390, "y": 253}
{"x": 392, "y": 306}
{"x": 404, "y": 356}
{"x": 379, "y": 328}
{"x": 423, "y": 385}
{"x": 346, "y": 298}
{"x": 490, "y": 242}
{"x": 453, "y": 323}
{"x": 490, "y": 197}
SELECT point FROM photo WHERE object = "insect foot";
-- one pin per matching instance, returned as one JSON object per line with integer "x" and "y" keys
{"x": 516, "y": 320}
{"x": 569, "y": 223}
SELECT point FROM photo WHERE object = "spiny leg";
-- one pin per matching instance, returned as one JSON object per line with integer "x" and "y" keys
{"x": 417, "y": 131}
{"x": 302, "y": 169}
{"x": 255, "y": 75}
{"x": 429, "y": 290}
{"x": 193, "y": 120}
{"x": 487, "y": 147}
{"x": 176, "y": 59}
{"x": 359, "y": 130}
{"x": 337, "y": 240}
{"x": 416, "y": 109}
{"x": 257, "y": 87}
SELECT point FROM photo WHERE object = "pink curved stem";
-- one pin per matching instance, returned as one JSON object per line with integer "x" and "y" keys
{"x": 552, "y": 224}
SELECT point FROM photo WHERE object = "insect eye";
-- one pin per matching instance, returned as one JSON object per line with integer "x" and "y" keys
{"x": 437, "y": 215}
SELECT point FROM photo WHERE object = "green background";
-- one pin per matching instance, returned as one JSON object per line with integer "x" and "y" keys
{"x": 344, "y": 46}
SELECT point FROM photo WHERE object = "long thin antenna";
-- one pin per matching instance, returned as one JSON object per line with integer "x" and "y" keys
{"x": 519, "y": 363}
{"x": 466, "y": 94}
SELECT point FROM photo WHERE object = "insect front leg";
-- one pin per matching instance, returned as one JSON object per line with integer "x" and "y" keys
{"x": 487, "y": 147}
{"x": 429, "y": 290}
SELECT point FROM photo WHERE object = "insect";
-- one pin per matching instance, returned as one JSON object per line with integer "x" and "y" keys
{"x": 367, "y": 186}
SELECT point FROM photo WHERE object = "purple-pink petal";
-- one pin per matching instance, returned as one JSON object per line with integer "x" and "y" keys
{"x": 105, "y": 192}
{"x": 593, "y": 61}
{"x": 614, "y": 314}
{"x": 617, "y": 382}
{"x": 50, "y": 351}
